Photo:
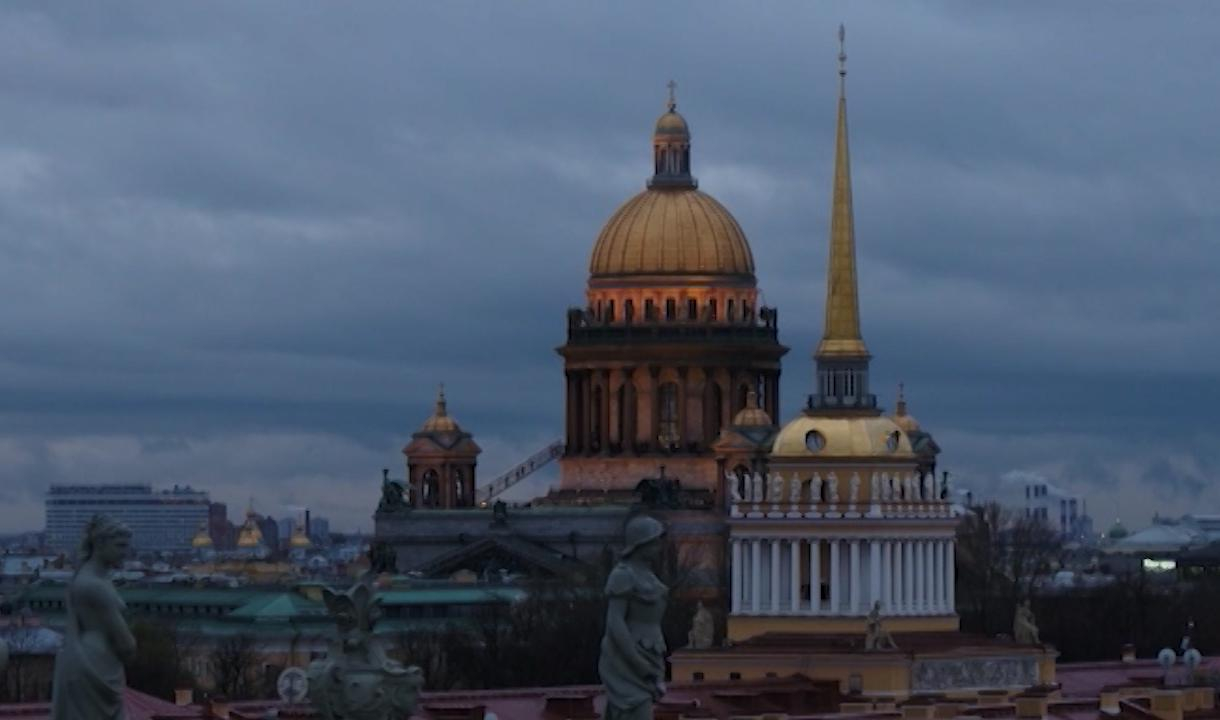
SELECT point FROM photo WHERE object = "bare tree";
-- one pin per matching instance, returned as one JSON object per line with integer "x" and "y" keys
{"x": 234, "y": 663}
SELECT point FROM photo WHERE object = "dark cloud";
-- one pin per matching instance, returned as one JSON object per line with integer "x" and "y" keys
{"x": 240, "y": 244}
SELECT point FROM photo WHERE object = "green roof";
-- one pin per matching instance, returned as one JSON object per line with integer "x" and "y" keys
{"x": 277, "y": 606}
{"x": 451, "y": 596}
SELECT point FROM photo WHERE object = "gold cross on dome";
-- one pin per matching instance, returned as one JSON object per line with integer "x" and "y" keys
{"x": 673, "y": 86}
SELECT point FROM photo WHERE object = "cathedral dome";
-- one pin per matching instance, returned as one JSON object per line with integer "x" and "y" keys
{"x": 752, "y": 415}
{"x": 440, "y": 421}
{"x": 672, "y": 231}
{"x": 871, "y": 437}
{"x": 671, "y": 123}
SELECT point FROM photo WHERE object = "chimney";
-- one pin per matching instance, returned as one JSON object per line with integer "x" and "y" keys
{"x": 1128, "y": 653}
{"x": 184, "y": 696}
{"x": 218, "y": 708}
{"x": 1167, "y": 704}
{"x": 1031, "y": 706}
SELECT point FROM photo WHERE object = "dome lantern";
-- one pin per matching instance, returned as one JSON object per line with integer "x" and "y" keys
{"x": 671, "y": 148}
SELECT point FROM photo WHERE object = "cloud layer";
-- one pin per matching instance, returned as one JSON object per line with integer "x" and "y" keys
{"x": 240, "y": 244}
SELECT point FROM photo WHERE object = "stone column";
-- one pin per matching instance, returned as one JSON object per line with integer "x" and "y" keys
{"x": 815, "y": 576}
{"x": 887, "y": 576}
{"x": 951, "y": 575}
{"x": 735, "y": 572}
{"x": 654, "y": 407}
{"x": 683, "y": 423}
{"x": 775, "y": 576}
{"x": 874, "y": 573}
{"x": 908, "y": 574}
{"x": 938, "y": 577}
{"x": 920, "y": 577}
{"x": 853, "y": 598}
{"x": 755, "y": 576}
{"x": 835, "y": 607}
{"x": 604, "y": 438}
{"x": 896, "y": 565}
{"x": 794, "y": 585}
{"x": 930, "y": 571}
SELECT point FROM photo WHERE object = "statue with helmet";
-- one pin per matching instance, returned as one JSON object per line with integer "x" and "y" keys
{"x": 88, "y": 678}
{"x": 632, "y": 664}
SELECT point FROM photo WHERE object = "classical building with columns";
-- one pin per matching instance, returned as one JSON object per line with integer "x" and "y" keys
{"x": 842, "y": 528}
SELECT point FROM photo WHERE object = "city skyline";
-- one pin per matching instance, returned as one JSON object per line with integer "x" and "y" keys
{"x": 245, "y": 266}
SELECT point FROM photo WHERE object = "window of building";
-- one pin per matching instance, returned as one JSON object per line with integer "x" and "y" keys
{"x": 459, "y": 488}
{"x": 728, "y": 312}
{"x": 430, "y": 488}
{"x": 667, "y": 412}
{"x": 692, "y": 309}
{"x": 671, "y": 309}
{"x": 628, "y": 310}
{"x": 650, "y": 310}
{"x": 734, "y": 676}
{"x": 711, "y": 309}
{"x": 609, "y": 311}
{"x": 697, "y": 677}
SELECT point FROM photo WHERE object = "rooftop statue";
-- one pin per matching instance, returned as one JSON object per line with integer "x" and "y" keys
{"x": 1024, "y": 630}
{"x": 877, "y": 637}
{"x": 392, "y": 497}
{"x": 357, "y": 681}
{"x": 88, "y": 680}
{"x": 702, "y": 629}
{"x": 632, "y": 664}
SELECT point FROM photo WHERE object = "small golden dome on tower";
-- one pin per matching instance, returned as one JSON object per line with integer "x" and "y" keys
{"x": 250, "y": 535}
{"x": 202, "y": 538}
{"x": 752, "y": 415}
{"x": 440, "y": 420}
{"x": 908, "y": 423}
{"x": 299, "y": 540}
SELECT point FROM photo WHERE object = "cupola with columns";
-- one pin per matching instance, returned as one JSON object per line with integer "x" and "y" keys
{"x": 671, "y": 340}
{"x": 441, "y": 460}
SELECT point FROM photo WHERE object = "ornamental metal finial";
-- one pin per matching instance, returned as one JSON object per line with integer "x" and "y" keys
{"x": 842, "y": 51}
{"x": 673, "y": 102}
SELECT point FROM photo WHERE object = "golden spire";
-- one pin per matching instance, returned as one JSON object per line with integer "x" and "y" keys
{"x": 673, "y": 100}
{"x": 841, "y": 335}
{"x": 442, "y": 409}
{"x": 900, "y": 408}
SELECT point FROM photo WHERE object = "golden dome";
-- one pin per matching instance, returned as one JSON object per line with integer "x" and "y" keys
{"x": 813, "y": 436}
{"x": 752, "y": 415}
{"x": 299, "y": 539}
{"x": 672, "y": 231}
{"x": 250, "y": 535}
{"x": 202, "y": 538}
{"x": 671, "y": 123}
{"x": 440, "y": 420}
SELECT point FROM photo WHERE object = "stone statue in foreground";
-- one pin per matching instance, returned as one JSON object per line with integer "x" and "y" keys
{"x": 876, "y": 637}
{"x": 1024, "y": 629}
{"x": 357, "y": 681}
{"x": 702, "y": 629}
{"x": 632, "y": 664}
{"x": 89, "y": 679}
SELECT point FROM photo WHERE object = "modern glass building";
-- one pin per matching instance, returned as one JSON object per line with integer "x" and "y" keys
{"x": 160, "y": 521}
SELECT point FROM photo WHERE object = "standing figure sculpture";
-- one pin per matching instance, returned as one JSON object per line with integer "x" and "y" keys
{"x": 632, "y": 664}
{"x": 88, "y": 679}
{"x": 1024, "y": 629}
{"x": 876, "y": 637}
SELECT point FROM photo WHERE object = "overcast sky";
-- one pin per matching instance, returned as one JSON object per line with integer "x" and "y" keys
{"x": 241, "y": 243}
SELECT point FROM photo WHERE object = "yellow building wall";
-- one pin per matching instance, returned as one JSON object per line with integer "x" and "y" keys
{"x": 744, "y": 627}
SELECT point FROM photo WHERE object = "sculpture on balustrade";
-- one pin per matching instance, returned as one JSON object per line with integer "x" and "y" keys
{"x": 393, "y": 498}
{"x": 815, "y": 489}
{"x": 876, "y": 637}
{"x": 357, "y": 680}
{"x": 794, "y": 494}
{"x": 734, "y": 483}
{"x": 854, "y": 489}
{"x": 88, "y": 678}
{"x": 632, "y": 663}
{"x": 702, "y": 629}
{"x": 833, "y": 490}
{"x": 777, "y": 488}
{"x": 1024, "y": 629}
{"x": 756, "y": 488}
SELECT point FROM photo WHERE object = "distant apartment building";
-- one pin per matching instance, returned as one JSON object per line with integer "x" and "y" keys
{"x": 160, "y": 521}
{"x": 1065, "y": 514}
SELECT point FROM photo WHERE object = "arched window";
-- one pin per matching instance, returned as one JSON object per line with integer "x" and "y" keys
{"x": 622, "y": 413}
{"x": 717, "y": 418}
{"x": 667, "y": 412}
{"x": 609, "y": 311}
{"x": 459, "y": 488}
{"x": 692, "y": 309}
{"x": 711, "y": 309}
{"x": 628, "y": 310}
{"x": 430, "y": 489}
{"x": 742, "y": 474}
{"x": 650, "y": 310}
{"x": 671, "y": 308}
{"x": 728, "y": 313}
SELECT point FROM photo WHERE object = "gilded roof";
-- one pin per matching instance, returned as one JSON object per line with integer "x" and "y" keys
{"x": 440, "y": 420}
{"x": 752, "y": 415}
{"x": 672, "y": 231}
{"x": 854, "y": 437}
{"x": 671, "y": 123}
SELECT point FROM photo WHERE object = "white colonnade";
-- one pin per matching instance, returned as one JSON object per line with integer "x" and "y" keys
{"x": 909, "y": 575}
